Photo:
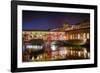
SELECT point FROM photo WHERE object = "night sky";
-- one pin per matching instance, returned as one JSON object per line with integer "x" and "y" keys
{"x": 40, "y": 20}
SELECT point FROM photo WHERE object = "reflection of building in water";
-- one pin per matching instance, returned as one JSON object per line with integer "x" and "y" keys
{"x": 71, "y": 53}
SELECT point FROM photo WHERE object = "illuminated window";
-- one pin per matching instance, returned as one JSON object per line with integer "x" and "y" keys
{"x": 84, "y": 35}
{"x": 78, "y": 36}
{"x": 70, "y": 36}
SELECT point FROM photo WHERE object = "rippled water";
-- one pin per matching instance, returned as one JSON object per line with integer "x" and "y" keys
{"x": 60, "y": 53}
{"x": 68, "y": 53}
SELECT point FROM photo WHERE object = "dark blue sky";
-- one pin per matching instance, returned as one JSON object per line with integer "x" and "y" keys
{"x": 39, "y": 20}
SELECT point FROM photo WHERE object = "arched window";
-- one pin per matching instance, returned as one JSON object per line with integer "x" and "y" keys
{"x": 78, "y": 35}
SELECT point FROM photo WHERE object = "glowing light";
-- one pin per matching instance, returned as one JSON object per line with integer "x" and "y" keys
{"x": 34, "y": 46}
{"x": 79, "y": 53}
{"x": 53, "y": 47}
{"x": 85, "y": 51}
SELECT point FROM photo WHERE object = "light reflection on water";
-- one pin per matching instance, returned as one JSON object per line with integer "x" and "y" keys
{"x": 55, "y": 52}
{"x": 70, "y": 53}
{"x": 62, "y": 53}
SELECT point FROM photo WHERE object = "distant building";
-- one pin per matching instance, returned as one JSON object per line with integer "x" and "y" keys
{"x": 77, "y": 31}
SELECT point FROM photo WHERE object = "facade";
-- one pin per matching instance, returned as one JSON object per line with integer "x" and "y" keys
{"x": 77, "y": 31}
